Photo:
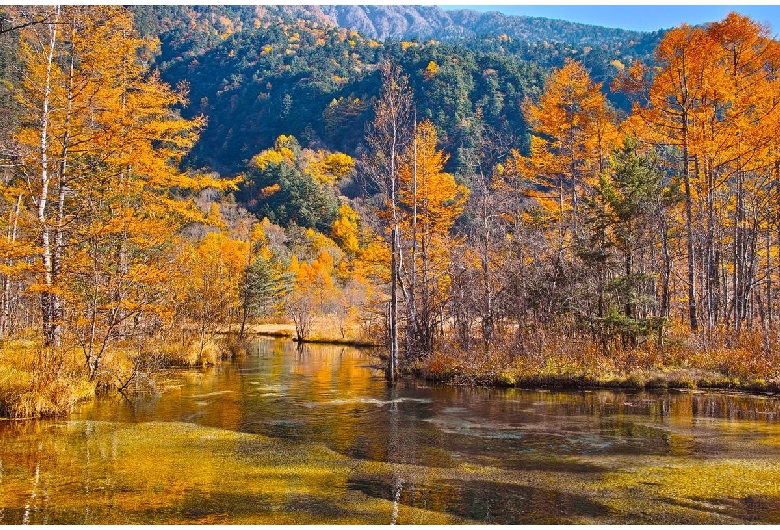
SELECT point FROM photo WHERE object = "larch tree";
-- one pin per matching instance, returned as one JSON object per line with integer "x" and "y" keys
{"x": 101, "y": 147}
{"x": 573, "y": 134}
{"x": 672, "y": 112}
{"x": 431, "y": 201}
{"x": 388, "y": 135}
{"x": 713, "y": 102}
{"x": 747, "y": 116}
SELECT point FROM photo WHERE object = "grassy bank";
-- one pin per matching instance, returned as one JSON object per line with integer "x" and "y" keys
{"x": 748, "y": 362}
{"x": 38, "y": 382}
{"x": 557, "y": 378}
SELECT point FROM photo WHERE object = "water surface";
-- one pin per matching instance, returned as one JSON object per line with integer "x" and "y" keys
{"x": 315, "y": 436}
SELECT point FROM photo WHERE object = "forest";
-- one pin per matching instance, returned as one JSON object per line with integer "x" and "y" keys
{"x": 577, "y": 223}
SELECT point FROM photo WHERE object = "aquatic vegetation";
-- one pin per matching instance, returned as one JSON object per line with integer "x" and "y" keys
{"x": 314, "y": 436}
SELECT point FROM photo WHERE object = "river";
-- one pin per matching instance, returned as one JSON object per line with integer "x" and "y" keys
{"x": 315, "y": 436}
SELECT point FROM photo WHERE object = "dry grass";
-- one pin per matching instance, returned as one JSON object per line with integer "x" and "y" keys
{"x": 44, "y": 382}
{"x": 40, "y": 382}
{"x": 325, "y": 329}
{"x": 545, "y": 358}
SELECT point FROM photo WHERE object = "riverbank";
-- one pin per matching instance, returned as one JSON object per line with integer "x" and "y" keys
{"x": 640, "y": 379}
{"x": 682, "y": 363}
{"x": 321, "y": 334}
{"x": 35, "y": 382}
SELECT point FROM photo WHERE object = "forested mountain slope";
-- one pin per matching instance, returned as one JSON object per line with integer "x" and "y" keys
{"x": 260, "y": 71}
{"x": 425, "y": 22}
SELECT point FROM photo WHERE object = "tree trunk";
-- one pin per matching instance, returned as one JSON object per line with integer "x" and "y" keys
{"x": 392, "y": 362}
{"x": 52, "y": 331}
{"x": 694, "y": 323}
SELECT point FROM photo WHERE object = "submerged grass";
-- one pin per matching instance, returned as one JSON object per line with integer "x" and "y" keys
{"x": 165, "y": 473}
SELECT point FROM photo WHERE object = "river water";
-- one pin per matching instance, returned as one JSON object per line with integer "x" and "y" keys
{"x": 315, "y": 436}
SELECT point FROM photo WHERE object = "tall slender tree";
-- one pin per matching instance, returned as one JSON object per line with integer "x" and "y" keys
{"x": 431, "y": 201}
{"x": 388, "y": 136}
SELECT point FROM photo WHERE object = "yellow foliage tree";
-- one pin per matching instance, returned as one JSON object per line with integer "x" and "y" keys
{"x": 314, "y": 292}
{"x": 213, "y": 268}
{"x": 430, "y": 201}
{"x": 573, "y": 135}
{"x": 101, "y": 144}
{"x": 345, "y": 230}
{"x": 430, "y": 71}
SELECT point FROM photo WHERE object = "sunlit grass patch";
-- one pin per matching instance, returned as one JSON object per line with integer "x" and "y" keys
{"x": 175, "y": 472}
{"x": 39, "y": 382}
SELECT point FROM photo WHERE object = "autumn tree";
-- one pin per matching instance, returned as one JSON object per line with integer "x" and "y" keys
{"x": 100, "y": 145}
{"x": 671, "y": 114}
{"x": 430, "y": 201}
{"x": 314, "y": 292}
{"x": 264, "y": 283}
{"x": 712, "y": 103}
{"x": 388, "y": 136}
{"x": 573, "y": 134}
{"x": 213, "y": 267}
{"x": 737, "y": 153}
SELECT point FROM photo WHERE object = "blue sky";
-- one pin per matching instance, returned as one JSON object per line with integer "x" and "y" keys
{"x": 636, "y": 17}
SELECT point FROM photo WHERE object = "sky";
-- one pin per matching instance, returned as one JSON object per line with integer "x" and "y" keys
{"x": 635, "y": 17}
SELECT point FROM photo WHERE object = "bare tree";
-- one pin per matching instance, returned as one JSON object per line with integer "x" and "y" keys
{"x": 387, "y": 136}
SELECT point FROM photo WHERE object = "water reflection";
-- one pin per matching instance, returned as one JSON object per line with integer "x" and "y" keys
{"x": 315, "y": 435}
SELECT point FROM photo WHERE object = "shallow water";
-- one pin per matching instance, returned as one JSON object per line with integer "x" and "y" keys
{"x": 315, "y": 436}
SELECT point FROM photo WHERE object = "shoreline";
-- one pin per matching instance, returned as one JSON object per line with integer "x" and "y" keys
{"x": 673, "y": 380}
{"x": 640, "y": 379}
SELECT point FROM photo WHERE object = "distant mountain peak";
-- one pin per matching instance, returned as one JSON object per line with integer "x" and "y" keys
{"x": 401, "y": 22}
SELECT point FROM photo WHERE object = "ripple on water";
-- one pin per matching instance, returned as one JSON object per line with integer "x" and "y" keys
{"x": 363, "y": 401}
{"x": 210, "y": 394}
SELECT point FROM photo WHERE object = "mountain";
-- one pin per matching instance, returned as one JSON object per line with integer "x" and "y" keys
{"x": 398, "y": 22}
{"x": 383, "y": 23}
{"x": 258, "y": 72}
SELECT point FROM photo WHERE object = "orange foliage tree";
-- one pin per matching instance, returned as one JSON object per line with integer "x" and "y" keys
{"x": 430, "y": 201}
{"x": 100, "y": 148}
{"x": 713, "y": 105}
{"x": 573, "y": 135}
